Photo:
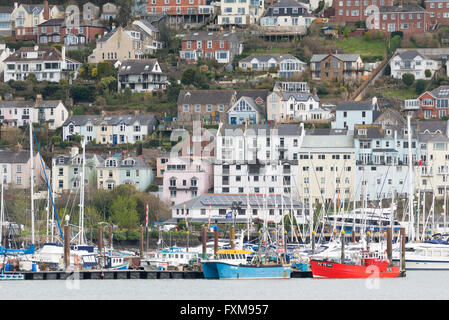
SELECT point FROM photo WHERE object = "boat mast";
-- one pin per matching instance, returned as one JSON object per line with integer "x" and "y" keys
{"x": 444, "y": 204}
{"x": 53, "y": 212}
{"x": 48, "y": 213}
{"x": 410, "y": 173}
{"x": 2, "y": 216}
{"x": 32, "y": 182}
{"x": 81, "y": 218}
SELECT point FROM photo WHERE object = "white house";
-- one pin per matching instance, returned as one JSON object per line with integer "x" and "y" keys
{"x": 350, "y": 113}
{"x": 19, "y": 113}
{"x": 245, "y": 110}
{"x": 413, "y": 62}
{"x": 286, "y": 65}
{"x": 240, "y": 12}
{"x": 141, "y": 75}
{"x": 284, "y": 106}
{"x": 46, "y": 63}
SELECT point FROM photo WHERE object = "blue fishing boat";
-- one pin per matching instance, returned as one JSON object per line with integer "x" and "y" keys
{"x": 235, "y": 257}
{"x": 117, "y": 263}
{"x": 248, "y": 271}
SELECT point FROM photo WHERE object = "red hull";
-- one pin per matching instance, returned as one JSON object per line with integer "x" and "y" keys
{"x": 326, "y": 269}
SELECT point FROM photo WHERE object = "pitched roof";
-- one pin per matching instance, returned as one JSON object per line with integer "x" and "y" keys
{"x": 340, "y": 56}
{"x": 6, "y": 9}
{"x": 266, "y": 57}
{"x": 298, "y": 96}
{"x": 47, "y": 54}
{"x": 80, "y": 120}
{"x": 441, "y": 92}
{"x": 403, "y": 9}
{"x": 52, "y": 22}
{"x": 204, "y": 35}
{"x": 205, "y": 96}
{"x": 256, "y": 201}
{"x": 14, "y": 157}
{"x": 355, "y": 105}
{"x": 29, "y": 104}
{"x": 137, "y": 66}
{"x": 409, "y": 55}
{"x": 282, "y": 129}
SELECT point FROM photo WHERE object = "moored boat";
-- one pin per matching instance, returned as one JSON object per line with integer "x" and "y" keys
{"x": 250, "y": 271}
{"x": 372, "y": 265}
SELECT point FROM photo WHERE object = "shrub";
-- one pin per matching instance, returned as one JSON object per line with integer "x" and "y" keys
{"x": 368, "y": 36}
{"x": 420, "y": 86}
{"x": 427, "y": 73}
{"x": 408, "y": 79}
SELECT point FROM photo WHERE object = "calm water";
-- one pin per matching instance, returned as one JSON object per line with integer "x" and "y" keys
{"x": 432, "y": 285}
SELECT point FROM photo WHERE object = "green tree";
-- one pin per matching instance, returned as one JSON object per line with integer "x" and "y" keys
{"x": 427, "y": 73}
{"x": 408, "y": 79}
{"x": 124, "y": 212}
{"x": 188, "y": 76}
{"x": 420, "y": 86}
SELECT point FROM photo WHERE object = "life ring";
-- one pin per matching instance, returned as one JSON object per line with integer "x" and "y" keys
{"x": 281, "y": 243}
{"x": 263, "y": 243}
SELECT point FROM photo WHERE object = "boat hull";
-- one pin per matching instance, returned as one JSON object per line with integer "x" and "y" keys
{"x": 425, "y": 264}
{"x": 333, "y": 270}
{"x": 229, "y": 271}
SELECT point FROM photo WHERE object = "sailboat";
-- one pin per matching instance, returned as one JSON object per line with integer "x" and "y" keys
{"x": 82, "y": 255}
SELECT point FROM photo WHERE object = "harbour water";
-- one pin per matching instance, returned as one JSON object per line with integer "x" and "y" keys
{"x": 417, "y": 285}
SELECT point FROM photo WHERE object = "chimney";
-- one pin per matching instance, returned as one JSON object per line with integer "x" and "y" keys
{"x": 374, "y": 103}
{"x": 315, "y": 91}
{"x": 36, "y": 47}
{"x": 64, "y": 64}
{"x": 74, "y": 151}
{"x": 38, "y": 97}
{"x": 16, "y": 5}
{"x": 46, "y": 13}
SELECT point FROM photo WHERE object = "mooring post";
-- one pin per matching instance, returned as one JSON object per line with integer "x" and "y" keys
{"x": 215, "y": 242}
{"x": 91, "y": 241}
{"x": 313, "y": 242}
{"x": 204, "y": 242}
{"x": 67, "y": 247}
{"x": 402, "y": 230}
{"x": 100, "y": 242}
{"x": 232, "y": 237}
{"x": 342, "y": 247}
{"x": 141, "y": 242}
{"x": 389, "y": 245}
{"x": 110, "y": 237}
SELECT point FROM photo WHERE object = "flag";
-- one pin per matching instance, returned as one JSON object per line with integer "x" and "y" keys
{"x": 146, "y": 216}
{"x": 420, "y": 162}
{"x": 229, "y": 215}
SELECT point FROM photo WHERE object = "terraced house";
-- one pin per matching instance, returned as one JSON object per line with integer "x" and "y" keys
{"x": 341, "y": 66}
{"x": 110, "y": 129}
{"x": 67, "y": 171}
{"x": 19, "y": 113}
{"x": 213, "y": 106}
{"x": 121, "y": 169}
{"x": 240, "y": 12}
{"x": 16, "y": 168}
{"x": 439, "y": 11}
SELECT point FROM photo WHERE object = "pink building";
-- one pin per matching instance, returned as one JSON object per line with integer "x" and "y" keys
{"x": 186, "y": 178}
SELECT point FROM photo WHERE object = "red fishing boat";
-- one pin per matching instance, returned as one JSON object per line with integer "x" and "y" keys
{"x": 371, "y": 265}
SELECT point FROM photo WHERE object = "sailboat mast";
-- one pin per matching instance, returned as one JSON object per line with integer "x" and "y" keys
{"x": 2, "y": 217}
{"x": 410, "y": 173}
{"x": 81, "y": 222}
{"x": 48, "y": 214}
{"x": 32, "y": 182}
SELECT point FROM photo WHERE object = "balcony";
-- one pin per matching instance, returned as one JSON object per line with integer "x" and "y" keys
{"x": 411, "y": 104}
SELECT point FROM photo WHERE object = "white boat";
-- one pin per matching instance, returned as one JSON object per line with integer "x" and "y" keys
{"x": 373, "y": 219}
{"x": 173, "y": 256}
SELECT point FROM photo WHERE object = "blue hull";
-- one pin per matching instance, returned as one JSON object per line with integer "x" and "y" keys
{"x": 209, "y": 270}
{"x": 229, "y": 271}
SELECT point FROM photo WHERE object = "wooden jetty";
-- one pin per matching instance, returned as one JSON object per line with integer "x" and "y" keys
{"x": 126, "y": 274}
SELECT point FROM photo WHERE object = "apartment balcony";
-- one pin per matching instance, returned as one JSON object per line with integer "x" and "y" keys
{"x": 411, "y": 105}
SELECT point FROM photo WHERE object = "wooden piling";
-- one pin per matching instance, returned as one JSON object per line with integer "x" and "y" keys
{"x": 100, "y": 242}
{"x": 110, "y": 237}
{"x": 215, "y": 242}
{"x": 232, "y": 237}
{"x": 402, "y": 232}
{"x": 368, "y": 234}
{"x": 342, "y": 247}
{"x": 141, "y": 241}
{"x": 313, "y": 242}
{"x": 91, "y": 241}
{"x": 66, "y": 247}
{"x": 204, "y": 242}
{"x": 389, "y": 245}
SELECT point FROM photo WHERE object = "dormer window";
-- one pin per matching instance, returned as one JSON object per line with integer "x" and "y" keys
{"x": 389, "y": 132}
{"x": 361, "y": 132}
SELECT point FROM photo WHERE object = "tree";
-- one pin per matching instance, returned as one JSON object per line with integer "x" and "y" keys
{"x": 387, "y": 70}
{"x": 188, "y": 76}
{"x": 427, "y": 73}
{"x": 124, "y": 213}
{"x": 420, "y": 86}
{"x": 408, "y": 79}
